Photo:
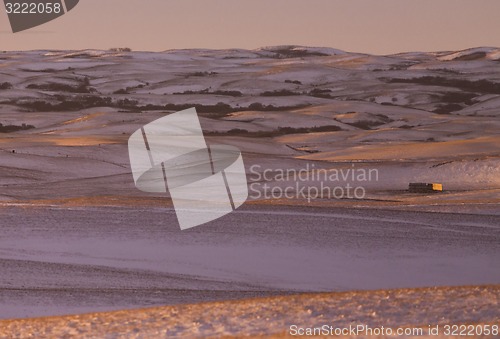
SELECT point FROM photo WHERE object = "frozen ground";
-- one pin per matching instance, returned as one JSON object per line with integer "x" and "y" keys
{"x": 274, "y": 317}
{"x": 60, "y": 260}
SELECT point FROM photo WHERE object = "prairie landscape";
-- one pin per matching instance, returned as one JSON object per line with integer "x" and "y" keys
{"x": 76, "y": 236}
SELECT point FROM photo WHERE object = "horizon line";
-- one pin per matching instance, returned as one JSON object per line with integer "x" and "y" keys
{"x": 263, "y": 48}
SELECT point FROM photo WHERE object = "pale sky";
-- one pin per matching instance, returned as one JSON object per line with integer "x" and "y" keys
{"x": 371, "y": 26}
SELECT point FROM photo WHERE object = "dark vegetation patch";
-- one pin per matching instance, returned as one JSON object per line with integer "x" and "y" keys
{"x": 454, "y": 101}
{"x": 321, "y": 93}
{"x": 447, "y": 70}
{"x": 279, "y": 93}
{"x": 447, "y": 108}
{"x": 369, "y": 124}
{"x": 401, "y": 67}
{"x": 200, "y": 74}
{"x": 82, "y": 87}
{"x": 45, "y": 70}
{"x": 5, "y": 85}
{"x": 54, "y": 87}
{"x": 384, "y": 118}
{"x": 208, "y": 92}
{"x": 458, "y": 97}
{"x": 14, "y": 128}
{"x": 470, "y": 57}
{"x": 277, "y": 132}
{"x": 304, "y": 149}
{"x": 61, "y": 103}
{"x": 120, "y": 49}
{"x": 257, "y": 106}
{"x": 122, "y": 91}
{"x": 128, "y": 89}
{"x": 478, "y": 86}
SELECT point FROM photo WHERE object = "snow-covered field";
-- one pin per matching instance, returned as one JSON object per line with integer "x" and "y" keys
{"x": 412, "y": 310}
{"x": 413, "y": 117}
{"x": 77, "y": 236}
{"x": 59, "y": 260}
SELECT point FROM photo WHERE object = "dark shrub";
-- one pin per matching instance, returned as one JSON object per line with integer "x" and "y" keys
{"x": 5, "y": 85}
{"x": 14, "y": 128}
{"x": 278, "y": 93}
{"x": 481, "y": 86}
{"x": 447, "y": 109}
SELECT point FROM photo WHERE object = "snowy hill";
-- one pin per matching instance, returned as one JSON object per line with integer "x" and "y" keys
{"x": 418, "y": 116}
